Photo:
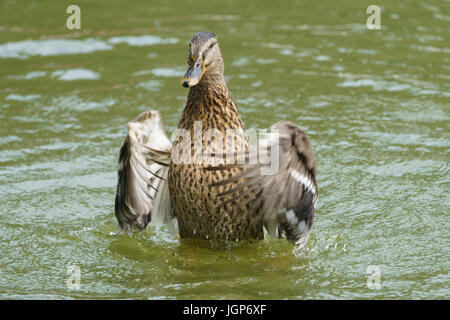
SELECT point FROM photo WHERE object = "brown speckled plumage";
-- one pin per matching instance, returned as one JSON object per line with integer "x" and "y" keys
{"x": 194, "y": 202}
{"x": 216, "y": 199}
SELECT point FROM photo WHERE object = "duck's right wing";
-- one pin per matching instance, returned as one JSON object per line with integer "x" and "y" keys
{"x": 283, "y": 191}
{"x": 142, "y": 190}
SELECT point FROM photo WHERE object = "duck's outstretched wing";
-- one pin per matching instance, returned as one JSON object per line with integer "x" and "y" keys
{"x": 283, "y": 192}
{"x": 142, "y": 192}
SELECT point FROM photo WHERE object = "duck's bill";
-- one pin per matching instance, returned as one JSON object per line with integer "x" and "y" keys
{"x": 194, "y": 74}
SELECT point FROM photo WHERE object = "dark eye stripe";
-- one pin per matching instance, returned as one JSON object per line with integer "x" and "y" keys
{"x": 207, "y": 49}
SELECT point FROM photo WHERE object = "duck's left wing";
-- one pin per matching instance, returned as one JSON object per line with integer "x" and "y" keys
{"x": 142, "y": 191}
{"x": 283, "y": 192}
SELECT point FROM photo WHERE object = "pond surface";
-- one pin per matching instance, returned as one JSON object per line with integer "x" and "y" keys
{"x": 375, "y": 104}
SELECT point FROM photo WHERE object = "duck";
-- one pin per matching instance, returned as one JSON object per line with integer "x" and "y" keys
{"x": 210, "y": 182}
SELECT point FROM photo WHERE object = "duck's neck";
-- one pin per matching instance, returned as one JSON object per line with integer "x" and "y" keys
{"x": 210, "y": 102}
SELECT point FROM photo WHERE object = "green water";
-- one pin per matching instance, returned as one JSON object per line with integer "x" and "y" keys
{"x": 375, "y": 104}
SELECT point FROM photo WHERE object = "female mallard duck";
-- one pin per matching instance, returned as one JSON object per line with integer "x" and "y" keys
{"x": 211, "y": 194}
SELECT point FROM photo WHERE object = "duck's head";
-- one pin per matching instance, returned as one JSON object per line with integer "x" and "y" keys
{"x": 204, "y": 60}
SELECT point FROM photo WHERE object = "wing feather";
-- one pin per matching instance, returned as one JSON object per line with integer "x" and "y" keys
{"x": 142, "y": 191}
{"x": 285, "y": 199}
